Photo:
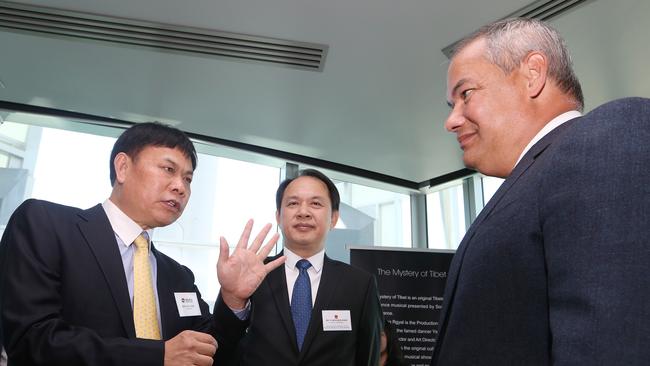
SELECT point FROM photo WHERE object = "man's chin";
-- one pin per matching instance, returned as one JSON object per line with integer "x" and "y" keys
{"x": 469, "y": 162}
{"x": 301, "y": 243}
{"x": 164, "y": 221}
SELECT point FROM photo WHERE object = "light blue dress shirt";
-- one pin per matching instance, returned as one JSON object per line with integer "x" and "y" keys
{"x": 126, "y": 230}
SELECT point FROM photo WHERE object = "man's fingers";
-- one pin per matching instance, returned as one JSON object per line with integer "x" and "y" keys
{"x": 245, "y": 235}
{"x": 224, "y": 251}
{"x": 266, "y": 249}
{"x": 274, "y": 264}
{"x": 199, "y": 337}
{"x": 259, "y": 239}
{"x": 203, "y": 360}
{"x": 207, "y": 349}
{"x": 190, "y": 347}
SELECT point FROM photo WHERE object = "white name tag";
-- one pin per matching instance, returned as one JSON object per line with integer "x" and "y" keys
{"x": 336, "y": 320}
{"x": 187, "y": 304}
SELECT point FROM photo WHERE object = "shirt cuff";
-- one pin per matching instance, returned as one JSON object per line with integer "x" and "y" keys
{"x": 243, "y": 314}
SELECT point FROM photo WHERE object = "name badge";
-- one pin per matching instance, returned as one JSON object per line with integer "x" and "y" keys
{"x": 337, "y": 320}
{"x": 187, "y": 304}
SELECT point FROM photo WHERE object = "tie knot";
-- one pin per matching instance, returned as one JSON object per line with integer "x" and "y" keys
{"x": 303, "y": 264}
{"x": 141, "y": 242}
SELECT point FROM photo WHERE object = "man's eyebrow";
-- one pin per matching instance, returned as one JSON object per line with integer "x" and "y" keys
{"x": 458, "y": 85}
{"x": 175, "y": 164}
{"x": 454, "y": 90}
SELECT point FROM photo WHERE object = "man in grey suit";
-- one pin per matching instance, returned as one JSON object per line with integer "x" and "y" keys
{"x": 555, "y": 268}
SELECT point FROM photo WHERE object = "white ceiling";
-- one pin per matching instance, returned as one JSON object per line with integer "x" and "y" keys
{"x": 379, "y": 103}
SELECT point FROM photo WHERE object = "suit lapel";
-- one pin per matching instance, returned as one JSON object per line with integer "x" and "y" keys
{"x": 326, "y": 290}
{"x": 167, "y": 304}
{"x": 525, "y": 163}
{"x": 277, "y": 281}
{"x": 97, "y": 231}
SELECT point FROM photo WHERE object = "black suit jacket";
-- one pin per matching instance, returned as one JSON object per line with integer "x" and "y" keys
{"x": 64, "y": 294}
{"x": 555, "y": 268}
{"x": 271, "y": 339}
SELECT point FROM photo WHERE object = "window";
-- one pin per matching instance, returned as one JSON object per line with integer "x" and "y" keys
{"x": 384, "y": 216}
{"x": 446, "y": 216}
{"x": 490, "y": 186}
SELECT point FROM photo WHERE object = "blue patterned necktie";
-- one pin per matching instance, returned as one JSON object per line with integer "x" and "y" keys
{"x": 301, "y": 301}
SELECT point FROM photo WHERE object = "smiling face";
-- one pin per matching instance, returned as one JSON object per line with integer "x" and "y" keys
{"x": 305, "y": 216}
{"x": 489, "y": 111}
{"x": 153, "y": 187}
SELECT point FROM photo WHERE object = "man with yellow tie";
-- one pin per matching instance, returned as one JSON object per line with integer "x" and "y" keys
{"x": 87, "y": 287}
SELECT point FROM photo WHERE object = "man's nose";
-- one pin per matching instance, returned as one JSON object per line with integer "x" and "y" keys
{"x": 303, "y": 210}
{"x": 178, "y": 185}
{"x": 455, "y": 119}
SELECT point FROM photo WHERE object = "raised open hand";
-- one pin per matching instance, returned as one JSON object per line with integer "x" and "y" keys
{"x": 242, "y": 272}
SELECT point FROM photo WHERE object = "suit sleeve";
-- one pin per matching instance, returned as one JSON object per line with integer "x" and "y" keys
{"x": 31, "y": 303}
{"x": 368, "y": 340}
{"x": 229, "y": 330}
{"x": 595, "y": 216}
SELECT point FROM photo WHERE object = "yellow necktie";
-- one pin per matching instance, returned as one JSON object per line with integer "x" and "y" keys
{"x": 144, "y": 301}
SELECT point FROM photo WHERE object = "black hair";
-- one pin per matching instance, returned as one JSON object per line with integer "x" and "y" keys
{"x": 335, "y": 198}
{"x": 136, "y": 138}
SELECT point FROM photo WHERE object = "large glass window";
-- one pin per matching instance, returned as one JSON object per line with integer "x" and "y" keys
{"x": 446, "y": 216}
{"x": 385, "y": 214}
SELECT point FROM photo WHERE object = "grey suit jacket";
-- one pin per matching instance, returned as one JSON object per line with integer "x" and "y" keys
{"x": 271, "y": 340}
{"x": 555, "y": 269}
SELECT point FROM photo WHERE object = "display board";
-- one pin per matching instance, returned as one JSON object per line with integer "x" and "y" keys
{"x": 411, "y": 285}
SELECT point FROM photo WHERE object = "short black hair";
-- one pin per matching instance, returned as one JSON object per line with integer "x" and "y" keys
{"x": 335, "y": 198}
{"x": 136, "y": 138}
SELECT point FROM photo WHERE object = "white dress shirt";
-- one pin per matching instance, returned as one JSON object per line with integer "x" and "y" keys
{"x": 553, "y": 124}
{"x": 314, "y": 271}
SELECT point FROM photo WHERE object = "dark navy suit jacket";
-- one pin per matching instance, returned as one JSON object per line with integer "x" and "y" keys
{"x": 271, "y": 339}
{"x": 64, "y": 296}
{"x": 556, "y": 268}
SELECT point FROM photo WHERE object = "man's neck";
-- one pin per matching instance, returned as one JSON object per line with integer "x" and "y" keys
{"x": 303, "y": 252}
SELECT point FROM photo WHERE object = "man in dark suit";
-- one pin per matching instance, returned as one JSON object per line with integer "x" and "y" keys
{"x": 86, "y": 287}
{"x": 554, "y": 270}
{"x": 341, "y": 323}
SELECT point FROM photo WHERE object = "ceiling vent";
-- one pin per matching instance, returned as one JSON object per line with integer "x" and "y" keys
{"x": 541, "y": 9}
{"x": 163, "y": 37}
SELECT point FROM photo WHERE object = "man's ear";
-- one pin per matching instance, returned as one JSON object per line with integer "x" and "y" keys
{"x": 535, "y": 70}
{"x": 121, "y": 164}
{"x": 335, "y": 219}
{"x": 277, "y": 217}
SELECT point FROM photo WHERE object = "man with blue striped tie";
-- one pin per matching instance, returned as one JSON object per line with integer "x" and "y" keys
{"x": 313, "y": 310}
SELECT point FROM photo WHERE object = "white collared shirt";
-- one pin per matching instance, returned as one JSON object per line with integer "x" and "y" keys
{"x": 126, "y": 230}
{"x": 315, "y": 271}
{"x": 553, "y": 124}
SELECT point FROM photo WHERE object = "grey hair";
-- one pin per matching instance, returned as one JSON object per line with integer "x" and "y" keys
{"x": 509, "y": 41}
